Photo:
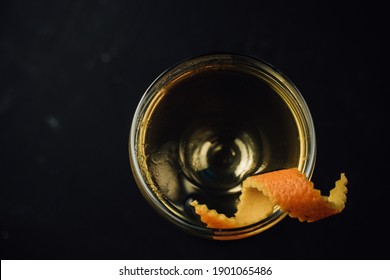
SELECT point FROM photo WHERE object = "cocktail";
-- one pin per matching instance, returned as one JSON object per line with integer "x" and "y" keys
{"x": 205, "y": 125}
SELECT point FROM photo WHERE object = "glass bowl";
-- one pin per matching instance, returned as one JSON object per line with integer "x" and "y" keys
{"x": 206, "y": 124}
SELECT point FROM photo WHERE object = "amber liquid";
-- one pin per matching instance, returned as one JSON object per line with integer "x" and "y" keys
{"x": 206, "y": 133}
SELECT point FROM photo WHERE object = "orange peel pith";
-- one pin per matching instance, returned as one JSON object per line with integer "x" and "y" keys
{"x": 287, "y": 188}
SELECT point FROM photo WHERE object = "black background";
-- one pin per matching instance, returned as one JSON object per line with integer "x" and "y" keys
{"x": 72, "y": 73}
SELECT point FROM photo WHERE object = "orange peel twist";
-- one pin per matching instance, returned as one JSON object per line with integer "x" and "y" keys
{"x": 287, "y": 188}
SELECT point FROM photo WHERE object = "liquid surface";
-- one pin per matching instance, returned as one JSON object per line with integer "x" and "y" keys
{"x": 209, "y": 131}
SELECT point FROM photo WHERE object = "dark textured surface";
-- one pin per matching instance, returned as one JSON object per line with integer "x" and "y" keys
{"x": 72, "y": 73}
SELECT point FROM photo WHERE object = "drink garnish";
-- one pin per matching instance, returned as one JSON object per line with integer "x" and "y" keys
{"x": 287, "y": 188}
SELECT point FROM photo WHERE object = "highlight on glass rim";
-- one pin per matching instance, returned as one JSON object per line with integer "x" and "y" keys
{"x": 223, "y": 146}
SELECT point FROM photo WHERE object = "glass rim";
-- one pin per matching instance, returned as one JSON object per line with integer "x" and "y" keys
{"x": 237, "y": 61}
